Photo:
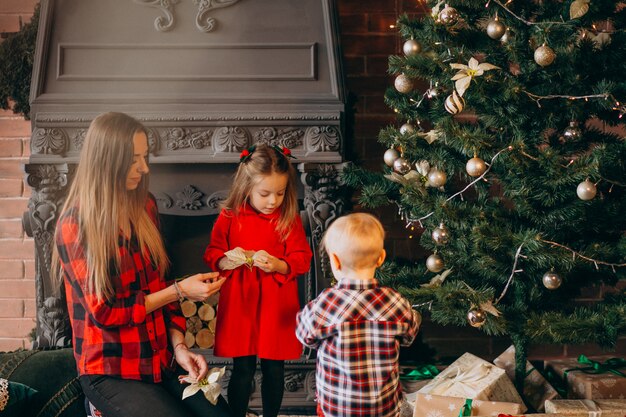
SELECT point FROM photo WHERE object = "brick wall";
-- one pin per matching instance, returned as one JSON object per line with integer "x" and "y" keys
{"x": 367, "y": 41}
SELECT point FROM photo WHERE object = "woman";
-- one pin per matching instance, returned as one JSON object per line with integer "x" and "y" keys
{"x": 128, "y": 330}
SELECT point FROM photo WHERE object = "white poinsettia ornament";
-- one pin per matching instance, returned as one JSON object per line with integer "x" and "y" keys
{"x": 473, "y": 69}
{"x": 209, "y": 386}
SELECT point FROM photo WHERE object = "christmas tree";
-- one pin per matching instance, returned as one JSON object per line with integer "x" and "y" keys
{"x": 512, "y": 162}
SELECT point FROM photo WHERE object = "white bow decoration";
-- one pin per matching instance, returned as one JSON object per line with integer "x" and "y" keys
{"x": 237, "y": 257}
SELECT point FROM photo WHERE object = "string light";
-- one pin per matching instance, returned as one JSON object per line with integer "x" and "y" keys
{"x": 586, "y": 258}
{"x": 514, "y": 271}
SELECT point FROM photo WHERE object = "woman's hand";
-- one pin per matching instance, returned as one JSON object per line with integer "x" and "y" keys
{"x": 191, "y": 362}
{"x": 269, "y": 263}
{"x": 200, "y": 286}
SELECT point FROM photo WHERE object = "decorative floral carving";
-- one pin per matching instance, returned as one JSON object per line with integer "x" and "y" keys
{"x": 53, "y": 324}
{"x": 294, "y": 380}
{"x": 78, "y": 138}
{"x": 230, "y": 139}
{"x": 290, "y": 137}
{"x": 206, "y": 23}
{"x": 189, "y": 198}
{"x": 162, "y": 24}
{"x": 179, "y": 138}
{"x": 49, "y": 141}
{"x": 153, "y": 140}
{"x": 323, "y": 138}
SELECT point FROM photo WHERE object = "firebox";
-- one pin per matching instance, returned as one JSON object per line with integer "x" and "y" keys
{"x": 208, "y": 79}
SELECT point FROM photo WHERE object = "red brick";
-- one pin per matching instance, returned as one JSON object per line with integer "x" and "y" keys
{"x": 11, "y": 229}
{"x": 353, "y": 23}
{"x": 26, "y": 147}
{"x": 595, "y": 350}
{"x": 17, "y": 249}
{"x": 30, "y": 308}
{"x": 17, "y": 6}
{"x": 13, "y": 207}
{"x": 369, "y": 44}
{"x": 11, "y": 308}
{"x": 11, "y": 344}
{"x": 17, "y": 327}
{"x": 540, "y": 352}
{"x": 11, "y": 269}
{"x": 354, "y": 65}
{"x": 15, "y": 127}
{"x": 11, "y": 168}
{"x": 382, "y": 22}
{"x": 11, "y": 187}
{"x": 378, "y": 65}
{"x": 368, "y": 84}
{"x": 9, "y": 23}
{"x": 590, "y": 293}
{"x": 10, "y": 147}
{"x": 366, "y": 6}
{"x": 17, "y": 288}
{"x": 375, "y": 104}
{"x": 29, "y": 268}
{"x": 418, "y": 7}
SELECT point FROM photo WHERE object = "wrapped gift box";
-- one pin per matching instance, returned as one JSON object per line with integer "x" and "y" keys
{"x": 472, "y": 377}
{"x": 427, "y": 405}
{"x": 536, "y": 389}
{"x": 604, "y": 408}
{"x": 589, "y": 386}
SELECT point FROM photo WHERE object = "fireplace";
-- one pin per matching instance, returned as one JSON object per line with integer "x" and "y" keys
{"x": 208, "y": 79}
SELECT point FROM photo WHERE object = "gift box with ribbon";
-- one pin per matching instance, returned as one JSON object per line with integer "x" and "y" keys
{"x": 536, "y": 389}
{"x": 586, "y": 378}
{"x": 589, "y": 408}
{"x": 472, "y": 377}
{"x": 427, "y": 405}
{"x": 414, "y": 378}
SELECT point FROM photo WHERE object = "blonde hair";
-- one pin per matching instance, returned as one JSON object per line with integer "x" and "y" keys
{"x": 263, "y": 161}
{"x": 357, "y": 239}
{"x": 104, "y": 204}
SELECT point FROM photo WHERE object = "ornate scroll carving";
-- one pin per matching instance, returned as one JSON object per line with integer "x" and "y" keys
{"x": 206, "y": 23}
{"x": 48, "y": 183}
{"x": 49, "y": 141}
{"x": 230, "y": 139}
{"x": 162, "y": 24}
{"x": 179, "y": 138}
{"x": 78, "y": 138}
{"x": 323, "y": 138}
{"x": 213, "y": 201}
{"x": 290, "y": 137}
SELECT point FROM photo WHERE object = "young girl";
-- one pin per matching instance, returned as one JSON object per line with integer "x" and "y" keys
{"x": 259, "y": 301}
{"x": 127, "y": 326}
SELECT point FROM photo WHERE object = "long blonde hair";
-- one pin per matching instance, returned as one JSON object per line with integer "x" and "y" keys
{"x": 263, "y": 161}
{"x": 104, "y": 204}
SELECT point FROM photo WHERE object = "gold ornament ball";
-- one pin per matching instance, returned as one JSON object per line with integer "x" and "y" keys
{"x": 411, "y": 47}
{"x": 586, "y": 190}
{"x": 496, "y": 29}
{"x": 475, "y": 167}
{"x": 407, "y": 129}
{"x": 551, "y": 280}
{"x": 401, "y": 166}
{"x": 448, "y": 15}
{"x": 572, "y": 132}
{"x": 441, "y": 235}
{"x": 476, "y": 317}
{"x": 544, "y": 55}
{"x": 403, "y": 84}
{"x": 437, "y": 178}
{"x": 454, "y": 103}
{"x": 434, "y": 263}
{"x": 390, "y": 156}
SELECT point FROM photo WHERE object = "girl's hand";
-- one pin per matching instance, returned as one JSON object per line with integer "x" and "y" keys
{"x": 271, "y": 263}
{"x": 200, "y": 286}
{"x": 191, "y": 362}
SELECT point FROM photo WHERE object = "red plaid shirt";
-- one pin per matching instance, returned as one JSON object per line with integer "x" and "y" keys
{"x": 116, "y": 338}
{"x": 358, "y": 328}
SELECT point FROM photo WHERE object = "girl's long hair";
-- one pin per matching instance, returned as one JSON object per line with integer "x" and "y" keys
{"x": 104, "y": 205}
{"x": 263, "y": 161}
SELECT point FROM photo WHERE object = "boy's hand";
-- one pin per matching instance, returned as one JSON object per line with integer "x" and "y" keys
{"x": 269, "y": 263}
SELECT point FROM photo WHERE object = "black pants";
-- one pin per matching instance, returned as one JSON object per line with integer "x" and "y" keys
{"x": 115, "y": 397}
{"x": 240, "y": 385}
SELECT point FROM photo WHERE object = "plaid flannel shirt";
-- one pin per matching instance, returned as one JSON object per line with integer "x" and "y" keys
{"x": 358, "y": 328}
{"x": 116, "y": 337}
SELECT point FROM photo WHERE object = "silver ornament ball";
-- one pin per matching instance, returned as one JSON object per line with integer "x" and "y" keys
{"x": 495, "y": 29}
{"x": 586, "y": 190}
{"x": 407, "y": 129}
{"x": 441, "y": 235}
{"x": 475, "y": 167}
{"x": 403, "y": 84}
{"x": 454, "y": 103}
{"x": 572, "y": 132}
{"x": 390, "y": 156}
{"x": 476, "y": 317}
{"x": 401, "y": 166}
{"x": 551, "y": 280}
{"x": 434, "y": 263}
{"x": 507, "y": 37}
{"x": 411, "y": 47}
{"x": 448, "y": 15}
{"x": 544, "y": 55}
{"x": 432, "y": 92}
{"x": 437, "y": 178}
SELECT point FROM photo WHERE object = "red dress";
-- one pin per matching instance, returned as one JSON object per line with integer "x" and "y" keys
{"x": 257, "y": 310}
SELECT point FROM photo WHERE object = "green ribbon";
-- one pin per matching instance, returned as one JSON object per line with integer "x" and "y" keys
{"x": 420, "y": 373}
{"x": 594, "y": 367}
{"x": 466, "y": 410}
